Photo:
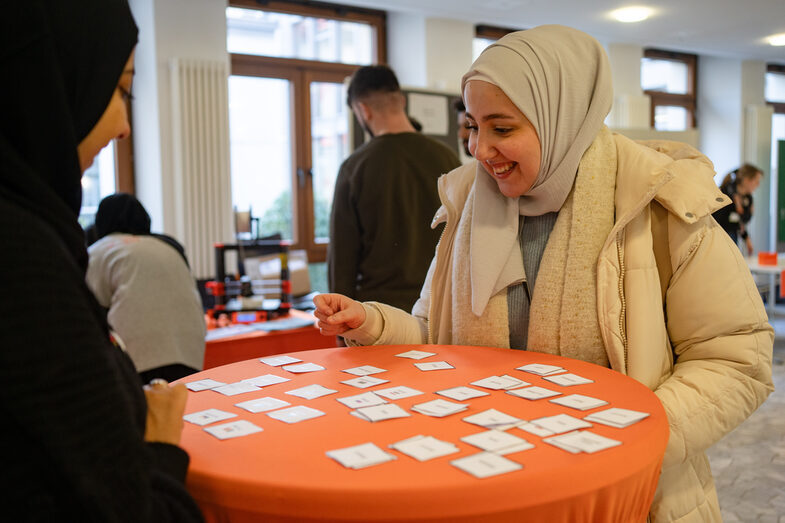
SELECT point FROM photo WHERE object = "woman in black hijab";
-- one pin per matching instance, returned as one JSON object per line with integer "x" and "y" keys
{"x": 81, "y": 443}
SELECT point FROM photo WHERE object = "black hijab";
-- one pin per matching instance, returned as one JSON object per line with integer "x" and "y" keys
{"x": 60, "y": 64}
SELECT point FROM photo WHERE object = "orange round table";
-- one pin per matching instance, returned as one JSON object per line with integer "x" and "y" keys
{"x": 283, "y": 473}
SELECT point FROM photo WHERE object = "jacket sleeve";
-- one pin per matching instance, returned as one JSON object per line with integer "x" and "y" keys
{"x": 722, "y": 341}
{"x": 344, "y": 251}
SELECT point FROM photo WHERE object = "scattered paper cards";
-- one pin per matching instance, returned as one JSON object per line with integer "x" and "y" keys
{"x": 541, "y": 369}
{"x": 239, "y": 387}
{"x": 504, "y": 382}
{"x": 497, "y": 441}
{"x": 363, "y": 382}
{"x": 360, "y": 456}
{"x": 531, "y": 428}
{"x": 267, "y": 379}
{"x": 399, "y": 392}
{"x": 205, "y": 417}
{"x": 582, "y": 441}
{"x": 415, "y": 354}
{"x": 561, "y": 423}
{"x": 433, "y": 365}
{"x": 534, "y": 393}
{"x": 439, "y": 408}
{"x": 364, "y": 370}
{"x": 615, "y": 417}
{"x": 462, "y": 393}
{"x": 298, "y": 368}
{"x": 579, "y": 402}
{"x": 486, "y": 464}
{"x": 567, "y": 380}
{"x": 206, "y": 384}
{"x": 233, "y": 429}
{"x": 424, "y": 448}
{"x": 310, "y": 392}
{"x": 277, "y": 361}
{"x": 366, "y": 399}
{"x": 262, "y": 404}
{"x": 380, "y": 412}
{"x": 295, "y": 414}
{"x": 493, "y": 419}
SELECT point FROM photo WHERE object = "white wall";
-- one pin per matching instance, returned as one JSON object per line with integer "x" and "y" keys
{"x": 405, "y": 42}
{"x": 720, "y": 112}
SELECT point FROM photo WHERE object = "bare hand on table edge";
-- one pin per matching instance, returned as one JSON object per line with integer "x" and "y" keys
{"x": 337, "y": 313}
{"x": 165, "y": 408}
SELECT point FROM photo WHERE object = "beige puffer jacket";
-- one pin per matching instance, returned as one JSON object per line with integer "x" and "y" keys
{"x": 678, "y": 310}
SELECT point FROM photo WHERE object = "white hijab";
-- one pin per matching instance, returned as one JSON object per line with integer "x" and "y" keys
{"x": 560, "y": 80}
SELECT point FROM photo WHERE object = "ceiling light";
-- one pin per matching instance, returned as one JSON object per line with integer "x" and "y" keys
{"x": 776, "y": 40}
{"x": 631, "y": 14}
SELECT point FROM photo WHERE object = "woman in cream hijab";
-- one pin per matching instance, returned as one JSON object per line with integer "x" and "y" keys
{"x": 566, "y": 239}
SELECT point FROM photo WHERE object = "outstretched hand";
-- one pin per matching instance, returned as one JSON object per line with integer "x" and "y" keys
{"x": 337, "y": 313}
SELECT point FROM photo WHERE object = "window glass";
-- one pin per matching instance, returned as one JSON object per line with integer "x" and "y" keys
{"x": 98, "y": 181}
{"x": 479, "y": 45}
{"x": 261, "y": 151}
{"x": 775, "y": 87}
{"x": 670, "y": 118}
{"x": 329, "y": 147}
{"x": 262, "y": 33}
{"x": 664, "y": 75}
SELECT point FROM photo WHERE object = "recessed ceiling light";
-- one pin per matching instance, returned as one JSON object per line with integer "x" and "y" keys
{"x": 631, "y": 14}
{"x": 776, "y": 40}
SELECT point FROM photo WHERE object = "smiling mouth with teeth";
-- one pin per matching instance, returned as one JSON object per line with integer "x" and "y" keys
{"x": 503, "y": 168}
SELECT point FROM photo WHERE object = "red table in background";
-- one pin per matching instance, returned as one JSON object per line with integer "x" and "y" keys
{"x": 283, "y": 474}
{"x": 260, "y": 343}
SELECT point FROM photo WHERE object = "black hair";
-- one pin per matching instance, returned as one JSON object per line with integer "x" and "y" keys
{"x": 121, "y": 212}
{"x": 369, "y": 80}
{"x": 458, "y": 105}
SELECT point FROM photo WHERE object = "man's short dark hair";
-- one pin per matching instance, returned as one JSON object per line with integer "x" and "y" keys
{"x": 369, "y": 80}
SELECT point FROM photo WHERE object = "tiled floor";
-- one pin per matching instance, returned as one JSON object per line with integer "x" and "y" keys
{"x": 749, "y": 463}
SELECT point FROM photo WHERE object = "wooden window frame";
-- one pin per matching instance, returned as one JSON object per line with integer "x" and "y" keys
{"x": 779, "y": 107}
{"x": 689, "y": 100}
{"x": 492, "y": 32}
{"x": 301, "y": 73}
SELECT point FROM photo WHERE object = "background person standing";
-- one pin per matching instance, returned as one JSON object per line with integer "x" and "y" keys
{"x": 739, "y": 186}
{"x": 381, "y": 242}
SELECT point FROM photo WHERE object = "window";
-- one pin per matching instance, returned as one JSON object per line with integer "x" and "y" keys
{"x": 288, "y": 118}
{"x": 485, "y": 35}
{"x": 775, "y": 96}
{"x": 669, "y": 80}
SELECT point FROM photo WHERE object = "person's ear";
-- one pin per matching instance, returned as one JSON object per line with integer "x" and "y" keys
{"x": 364, "y": 110}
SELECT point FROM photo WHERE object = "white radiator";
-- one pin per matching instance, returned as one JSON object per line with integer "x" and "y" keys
{"x": 200, "y": 151}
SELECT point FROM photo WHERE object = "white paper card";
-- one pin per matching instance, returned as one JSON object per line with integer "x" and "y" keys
{"x": 500, "y": 382}
{"x": 531, "y": 428}
{"x": 616, "y": 417}
{"x": 262, "y": 404}
{"x": 557, "y": 442}
{"x": 295, "y": 414}
{"x": 396, "y": 393}
{"x": 381, "y": 412}
{"x": 233, "y": 429}
{"x": 497, "y": 441}
{"x": 433, "y": 365}
{"x": 366, "y": 399}
{"x": 205, "y": 417}
{"x": 267, "y": 379}
{"x": 462, "y": 393}
{"x": 360, "y": 456}
{"x": 493, "y": 419}
{"x": 416, "y": 354}
{"x": 363, "y": 382}
{"x": 303, "y": 367}
{"x": 579, "y": 402}
{"x": 587, "y": 441}
{"x": 486, "y": 464}
{"x": 567, "y": 380}
{"x": 277, "y": 361}
{"x": 534, "y": 393}
{"x": 561, "y": 423}
{"x": 310, "y": 392}
{"x": 439, "y": 408}
{"x": 205, "y": 384}
{"x": 541, "y": 369}
{"x": 239, "y": 387}
{"x": 424, "y": 448}
{"x": 364, "y": 370}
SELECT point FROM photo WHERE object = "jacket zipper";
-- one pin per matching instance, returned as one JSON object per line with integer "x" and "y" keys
{"x": 447, "y": 222}
{"x": 623, "y": 315}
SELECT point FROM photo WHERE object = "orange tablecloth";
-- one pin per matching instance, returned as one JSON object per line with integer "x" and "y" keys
{"x": 283, "y": 474}
{"x": 258, "y": 344}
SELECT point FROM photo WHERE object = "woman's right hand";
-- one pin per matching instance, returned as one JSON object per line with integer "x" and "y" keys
{"x": 165, "y": 408}
{"x": 337, "y": 313}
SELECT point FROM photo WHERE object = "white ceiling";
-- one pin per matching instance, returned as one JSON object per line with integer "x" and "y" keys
{"x": 729, "y": 28}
